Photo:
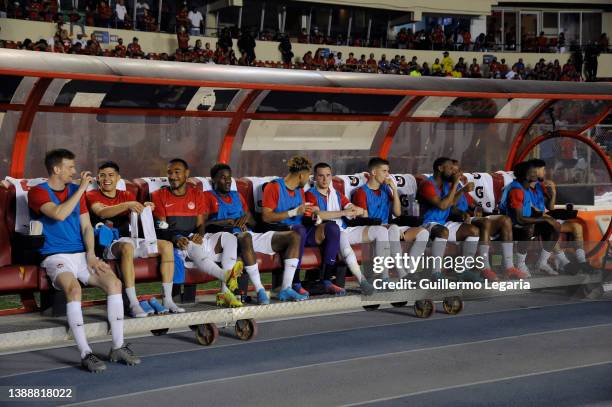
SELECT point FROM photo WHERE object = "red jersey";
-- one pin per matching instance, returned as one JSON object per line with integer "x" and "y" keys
{"x": 120, "y": 221}
{"x": 271, "y": 195}
{"x": 180, "y": 212}
{"x": 38, "y": 196}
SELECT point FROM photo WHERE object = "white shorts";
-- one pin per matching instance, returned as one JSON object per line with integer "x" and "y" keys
{"x": 354, "y": 234}
{"x": 75, "y": 263}
{"x": 452, "y": 227}
{"x": 262, "y": 242}
{"x": 206, "y": 249}
{"x": 140, "y": 250}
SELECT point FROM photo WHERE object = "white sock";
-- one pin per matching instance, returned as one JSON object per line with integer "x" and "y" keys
{"x": 229, "y": 243}
{"x": 562, "y": 258}
{"x": 580, "y": 255}
{"x": 507, "y": 249}
{"x": 289, "y": 272}
{"x": 253, "y": 272}
{"x": 522, "y": 258}
{"x": 167, "y": 290}
{"x": 347, "y": 253}
{"x": 417, "y": 249}
{"x": 75, "y": 321}
{"x": 114, "y": 307}
{"x": 470, "y": 246}
{"x": 131, "y": 294}
{"x": 437, "y": 251}
{"x": 483, "y": 251}
{"x": 543, "y": 260}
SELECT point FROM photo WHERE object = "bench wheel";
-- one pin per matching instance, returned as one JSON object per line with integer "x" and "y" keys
{"x": 160, "y": 332}
{"x": 371, "y": 307}
{"x": 453, "y": 305}
{"x": 245, "y": 329}
{"x": 206, "y": 334}
{"x": 423, "y": 308}
{"x": 399, "y": 304}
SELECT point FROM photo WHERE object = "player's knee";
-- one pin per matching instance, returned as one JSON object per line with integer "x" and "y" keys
{"x": 294, "y": 238}
{"x": 126, "y": 250}
{"x": 114, "y": 284}
{"x": 472, "y": 230}
{"x": 332, "y": 231}
{"x": 507, "y": 223}
{"x": 73, "y": 291}
{"x": 486, "y": 224}
{"x": 245, "y": 241}
{"x": 439, "y": 232}
{"x": 165, "y": 247}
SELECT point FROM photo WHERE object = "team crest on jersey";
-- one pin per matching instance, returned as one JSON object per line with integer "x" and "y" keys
{"x": 191, "y": 205}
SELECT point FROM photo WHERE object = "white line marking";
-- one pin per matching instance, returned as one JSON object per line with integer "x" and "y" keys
{"x": 458, "y": 386}
{"x": 384, "y": 355}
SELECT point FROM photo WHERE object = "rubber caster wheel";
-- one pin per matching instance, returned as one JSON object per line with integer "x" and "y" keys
{"x": 591, "y": 291}
{"x": 399, "y": 304}
{"x": 371, "y": 307}
{"x": 206, "y": 334}
{"x": 160, "y": 332}
{"x": 452, "y": 305}
{"x": 245, "y": 329}
{"x": 423, "y": 308}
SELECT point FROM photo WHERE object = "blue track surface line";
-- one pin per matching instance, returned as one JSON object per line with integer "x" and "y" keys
{"x": 253, "y": 357}
{"x": 574, "y": 387}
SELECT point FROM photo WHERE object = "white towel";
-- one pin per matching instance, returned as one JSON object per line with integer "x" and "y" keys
{"x": 22, "y": 212}
{"x": 148, "y": 228}
{"x": 156, "y": 183}
{"x": 258, "y": 187}
{"x": 407, "y": 189}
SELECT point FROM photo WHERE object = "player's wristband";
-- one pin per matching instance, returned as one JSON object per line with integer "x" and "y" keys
{"x": 292, "y": 212}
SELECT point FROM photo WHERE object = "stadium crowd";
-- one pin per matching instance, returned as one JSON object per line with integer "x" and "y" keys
{"x": 224, "y": 54}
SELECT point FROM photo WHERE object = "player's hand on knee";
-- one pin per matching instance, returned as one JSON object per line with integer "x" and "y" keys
{"x": 197, "y": 238}
{"x": 182, "y": 243}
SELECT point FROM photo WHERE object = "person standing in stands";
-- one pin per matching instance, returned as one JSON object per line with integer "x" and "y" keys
{"x": 110, "y": 204}
{"x": 284, "y": 202}
{"x": 68, "y": 254}
{"x": 227, "y": 209}
{"x": 179, "y": 210}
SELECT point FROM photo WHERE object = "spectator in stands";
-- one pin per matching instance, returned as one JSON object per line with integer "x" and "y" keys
{"x": 436, "y": 68}
{"x": 34, "y": 10}
{"x": 149, "y": 21}
{"x": 591, "y": 54}
{"x": 351, "y": 62}
{"x": 195, "y": 18}
{"x": 307, "y": 59}
{"x": 383, "y": 64}
{"x": 577, "y": 59}
{"x": 461, "y": 67}
{"x": 76, "y": 18}
{"x": 246, "y": 44}
{"x": 561, "y": 42}
{"x": 134, "y": 50}
{"x": 141, "y": 6}
{"x": 503, "y": 67}
{"x": 225, "y": 40}
{"x": 475, "y": 69}
{"x": 183, "y": 39}
{"x": 303, "y": 37}
{"x": 513, "y": 74}
{"x": 604, "y": 43}
{"x": 425, "y": 71}
{"x": 402, "y": 39}
{"x": 520, "y": 65}
{"x": 542, "y": 42}
{"x": 371, "y": 63}
{"x": 330, "y": 63}
{"x": 284, "y": 46}
{"x": 318, "y": 62}
{"x": 438, "y": 38}
{"x": 69, "y": 256}
{"x": 105, "y": 14}
{"x": 121, "y": 13}
{"x": 467, "y": 40}
{"x": 120, "y": 49}
{"x": 447, "y": 63}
